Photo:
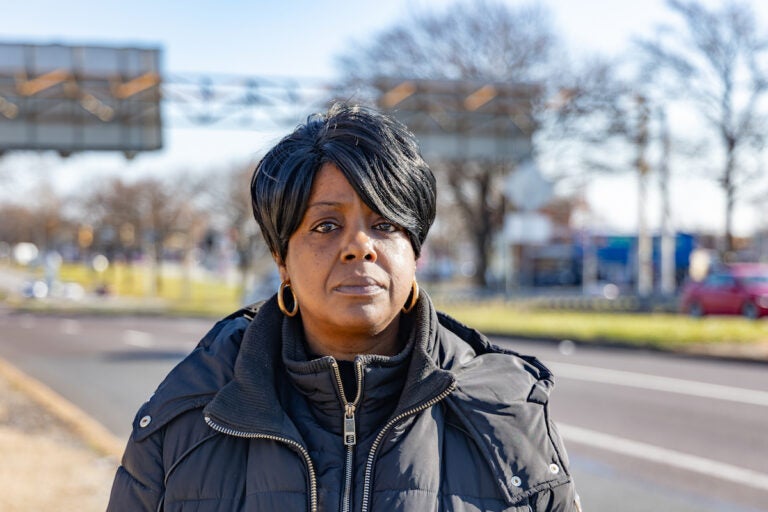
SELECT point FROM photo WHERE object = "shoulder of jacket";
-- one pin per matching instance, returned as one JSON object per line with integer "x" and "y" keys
{"x": 471, "y": 356}
{"x": 512, "y": 431}
{"x": 500, "y": 401}
{"x": 198, "y": 377}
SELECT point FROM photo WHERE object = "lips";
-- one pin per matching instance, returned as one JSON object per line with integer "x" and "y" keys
{"x": 359, "y": 286}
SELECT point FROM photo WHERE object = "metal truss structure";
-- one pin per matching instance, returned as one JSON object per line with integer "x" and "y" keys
{"x": 90, "y": 98}
{"x": 245, "y": 102}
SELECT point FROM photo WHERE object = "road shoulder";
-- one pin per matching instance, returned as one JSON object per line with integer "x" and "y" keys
{"x": 54, "y": 456}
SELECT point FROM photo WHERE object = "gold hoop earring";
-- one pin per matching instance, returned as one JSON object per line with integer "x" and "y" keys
{"x": 281, "y": 303}
{"x": 414, "y": 297}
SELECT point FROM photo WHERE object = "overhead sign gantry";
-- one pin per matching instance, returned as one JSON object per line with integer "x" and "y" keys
{"x": 79, "y": 98}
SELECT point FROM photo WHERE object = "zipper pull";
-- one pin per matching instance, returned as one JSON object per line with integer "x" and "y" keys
{"x": 350, "y": 438}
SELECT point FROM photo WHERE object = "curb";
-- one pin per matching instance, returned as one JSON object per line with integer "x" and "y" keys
{"x": 93, "y": 433}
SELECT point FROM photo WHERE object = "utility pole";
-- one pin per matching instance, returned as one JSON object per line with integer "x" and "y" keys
{"x": 644, "y": 242}
{"x": 668, "y": 270}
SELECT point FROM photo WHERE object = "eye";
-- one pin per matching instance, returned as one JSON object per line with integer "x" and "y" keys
{"x": 386, "y": 227}
{"x": 325, "y": 227}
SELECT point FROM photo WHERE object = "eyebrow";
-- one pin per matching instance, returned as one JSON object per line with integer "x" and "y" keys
{"x": 334, "y": 204}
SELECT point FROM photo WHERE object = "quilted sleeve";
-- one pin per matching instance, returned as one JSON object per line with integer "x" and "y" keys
{"x": 138, "y": 484}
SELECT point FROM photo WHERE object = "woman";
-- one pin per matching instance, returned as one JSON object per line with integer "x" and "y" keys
{"x": 346, "y": 390}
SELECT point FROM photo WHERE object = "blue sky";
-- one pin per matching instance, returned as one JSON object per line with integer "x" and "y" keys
{"x": 286, "y": 37}
{"x": 296, "y": 38}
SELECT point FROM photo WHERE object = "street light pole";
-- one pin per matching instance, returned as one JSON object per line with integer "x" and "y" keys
{"x": 668, "y": 270}
{"x": 644, "y": 242}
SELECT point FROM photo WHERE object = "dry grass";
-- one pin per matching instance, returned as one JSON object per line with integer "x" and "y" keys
{"x": 45, "y": 466}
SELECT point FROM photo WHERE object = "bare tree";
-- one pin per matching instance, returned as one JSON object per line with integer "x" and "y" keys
{"x": 18, "y": 224}
{"x": 480, "y": 41}
{"x": 142, "y": 215}
{"x": 42, "y": 220}
{"x": 717, "y": 64}
{"x": 590, "y": 119}
{"x": 114, "y": 210}
{"x": 608, "y": 112}
{"x": 43, "y": 226}
{"x": 228, "y": 197}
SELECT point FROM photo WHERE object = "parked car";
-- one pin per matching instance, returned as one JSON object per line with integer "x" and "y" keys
{"x": 735, "y": 289}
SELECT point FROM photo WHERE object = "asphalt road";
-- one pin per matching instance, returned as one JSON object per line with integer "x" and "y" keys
{"x": 645, "y": 431}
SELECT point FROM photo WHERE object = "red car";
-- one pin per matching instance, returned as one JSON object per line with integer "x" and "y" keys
{"x": 735, "y": 289}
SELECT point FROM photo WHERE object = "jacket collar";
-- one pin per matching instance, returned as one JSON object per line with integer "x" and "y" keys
{"x": 250, "y": 403}
{"x": 316, "y": 379}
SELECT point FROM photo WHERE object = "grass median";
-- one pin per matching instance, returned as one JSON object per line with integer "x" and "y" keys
{"x": 647, "y": 329}
{"x": 212, "y": 297}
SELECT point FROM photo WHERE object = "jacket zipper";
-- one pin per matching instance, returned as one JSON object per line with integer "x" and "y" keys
{"x": 372, "y": 454}
{"x": 350, "y": 436}
{"x": 290, "y": 442}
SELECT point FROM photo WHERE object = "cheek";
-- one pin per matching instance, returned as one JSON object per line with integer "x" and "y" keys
{"x": 403, "y": 267}
{"x": 306, "y": 267}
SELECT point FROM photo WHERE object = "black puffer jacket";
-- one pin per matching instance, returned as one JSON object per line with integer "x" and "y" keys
{"x": 247, "y": 423}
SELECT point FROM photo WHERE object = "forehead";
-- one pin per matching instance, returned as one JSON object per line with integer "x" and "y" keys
{"x": 330, "y": 184}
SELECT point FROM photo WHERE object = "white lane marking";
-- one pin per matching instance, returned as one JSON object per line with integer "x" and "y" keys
{"x": 138, "y": 338}
{"x": 664, "y": 456}
{"x": 658, "y": 383}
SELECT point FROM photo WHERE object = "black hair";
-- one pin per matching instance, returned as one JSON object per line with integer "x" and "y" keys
{"x": 377, "y": 154}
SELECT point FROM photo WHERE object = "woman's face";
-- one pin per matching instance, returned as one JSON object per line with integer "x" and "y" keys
{"x": 350, "y": 268}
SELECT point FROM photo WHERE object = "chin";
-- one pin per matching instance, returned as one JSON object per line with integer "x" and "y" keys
{"x": 371, "y": 318}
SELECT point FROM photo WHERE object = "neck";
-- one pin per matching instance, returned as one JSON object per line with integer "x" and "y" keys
{"x": 346, "y": 347}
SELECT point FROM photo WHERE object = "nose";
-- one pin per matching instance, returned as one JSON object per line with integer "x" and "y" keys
{"x": 359, "y": 247}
